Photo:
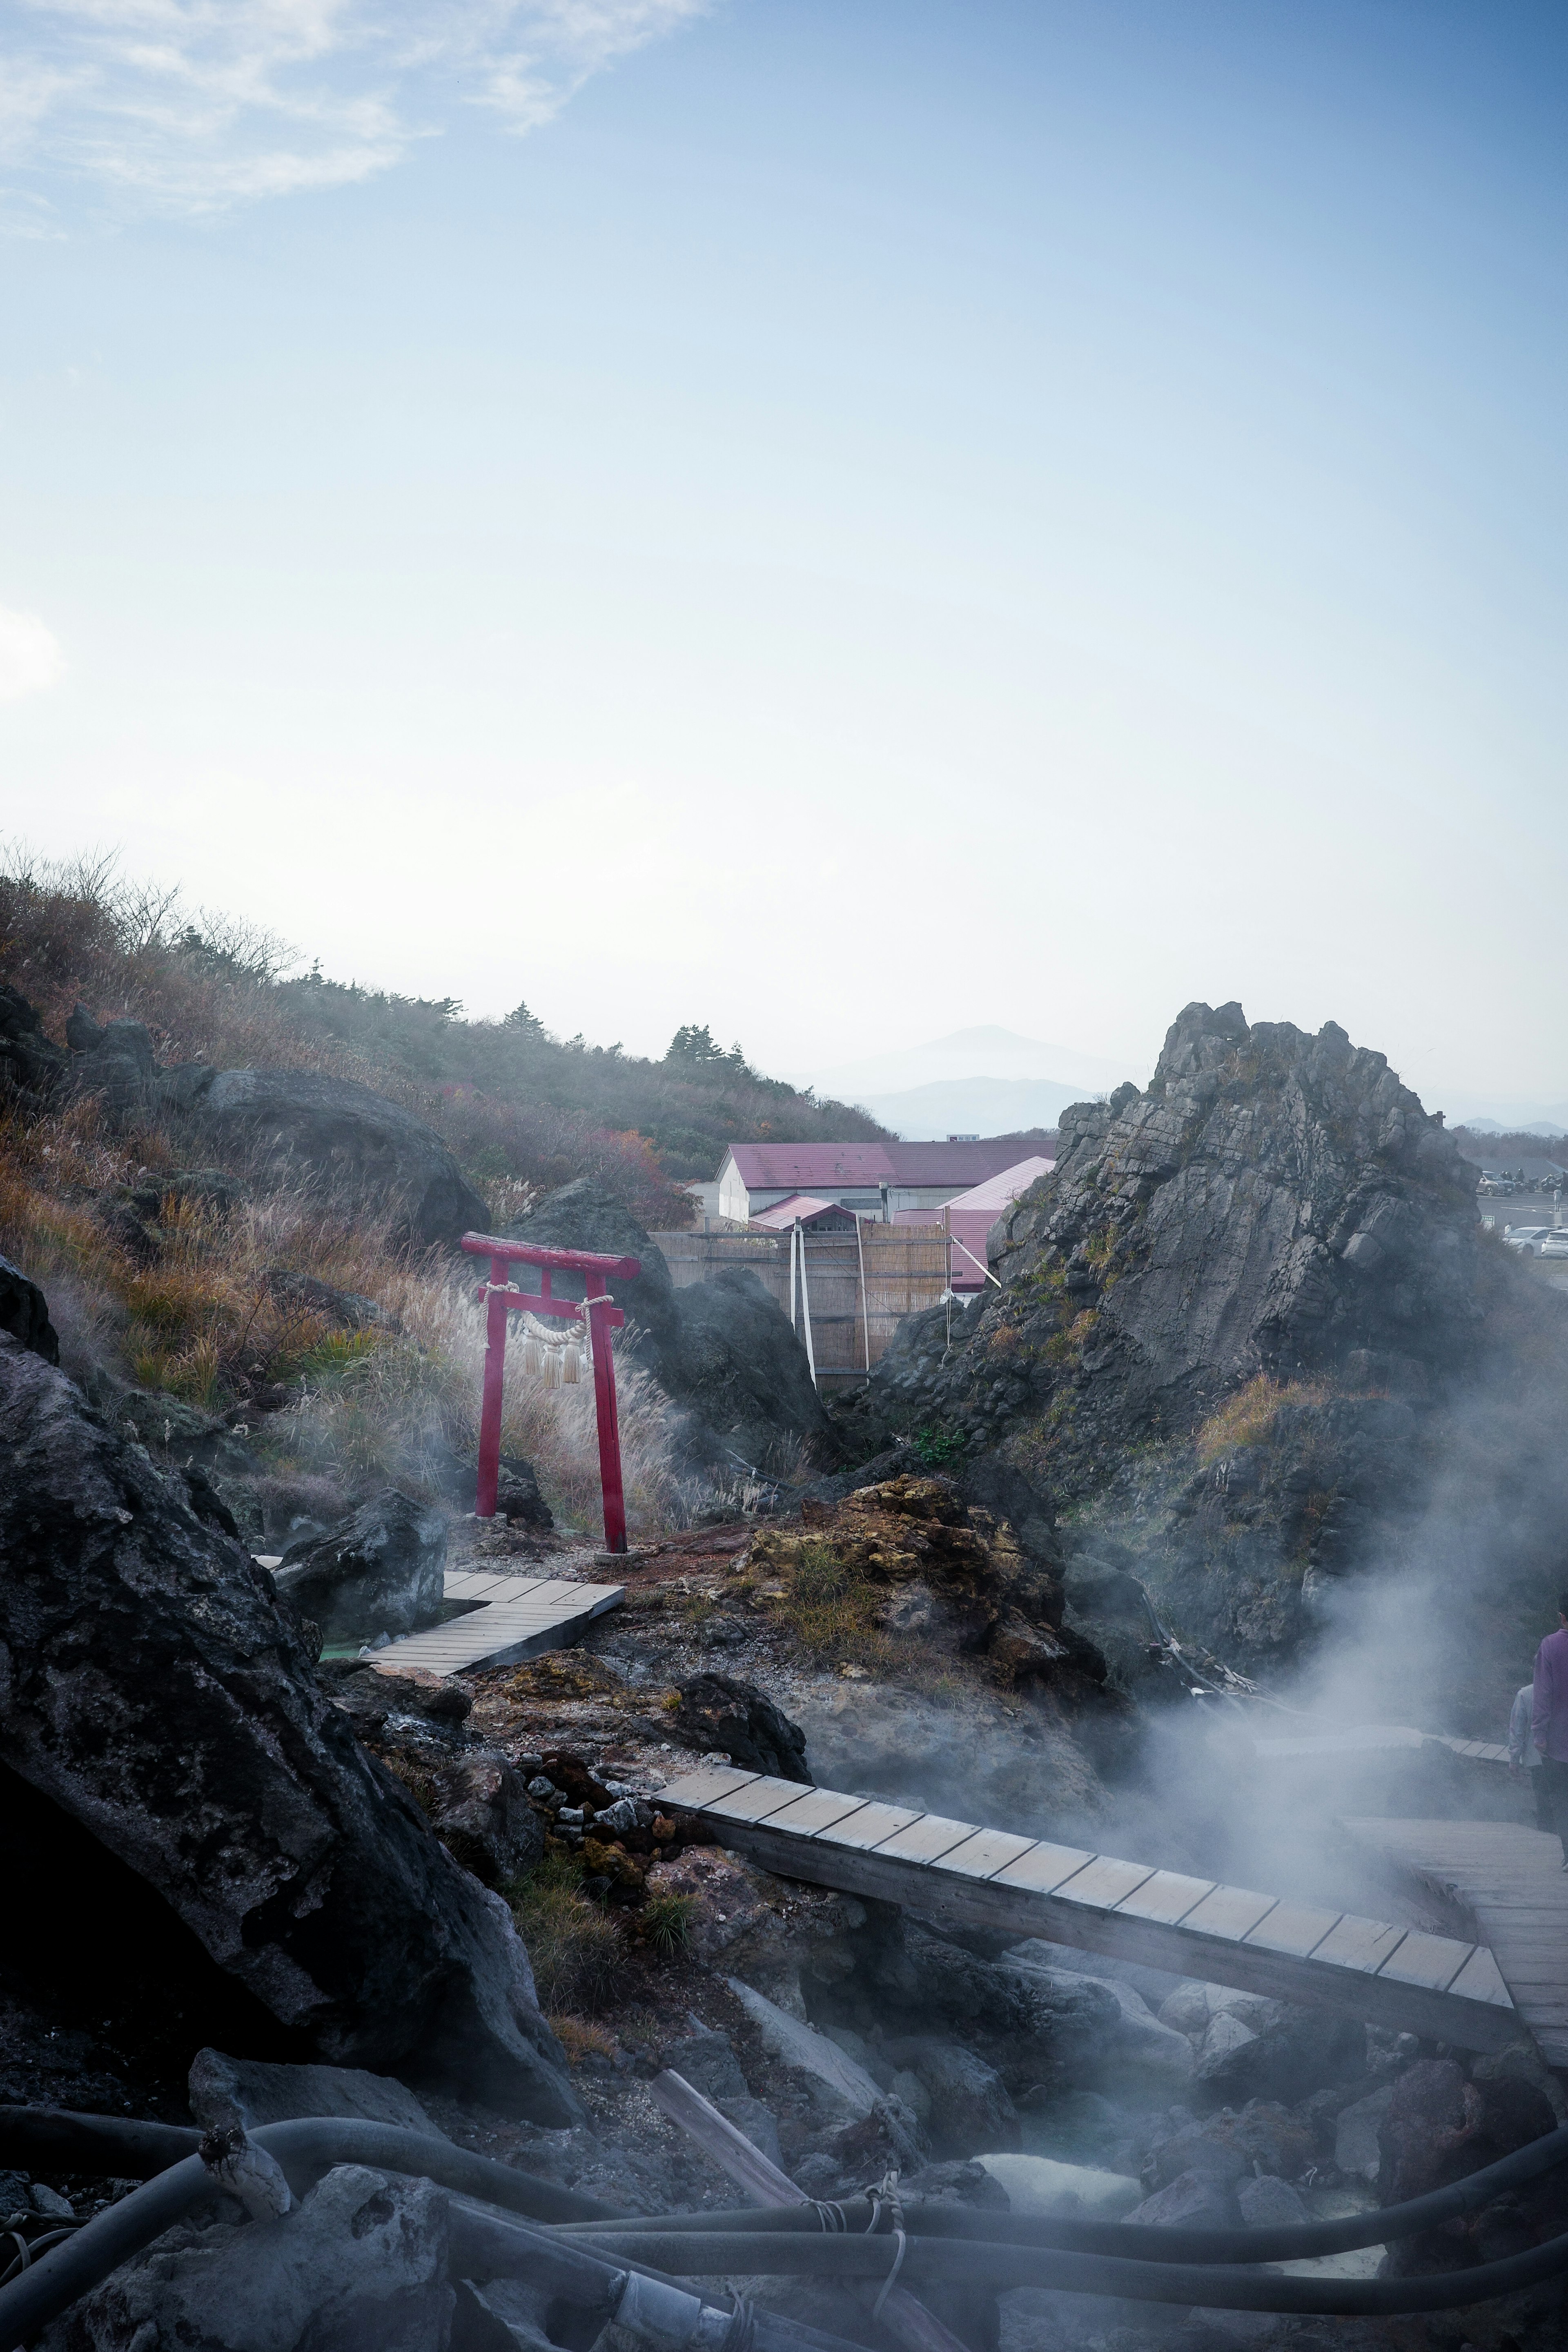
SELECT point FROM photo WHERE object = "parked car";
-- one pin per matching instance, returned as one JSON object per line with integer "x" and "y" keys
{"x": 1495, "y": 1187}
{"x": 1554, "y": 1245}
{"x": 1527, "y": 1239}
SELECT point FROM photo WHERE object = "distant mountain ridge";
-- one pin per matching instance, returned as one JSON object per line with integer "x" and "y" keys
{"x": 989, "y": 1054}
{"x": 975, "y": 1107}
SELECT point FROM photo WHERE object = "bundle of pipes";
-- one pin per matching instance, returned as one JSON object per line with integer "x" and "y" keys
{"x": 506, "y": 2224}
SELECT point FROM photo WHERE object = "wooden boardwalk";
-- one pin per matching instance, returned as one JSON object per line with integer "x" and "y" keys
{"x": 1506, "y": 1884}
{"x": 511, "y": 1618}
{"x": 1372, "y": 1738}
{"x": 1440, "y": 1986}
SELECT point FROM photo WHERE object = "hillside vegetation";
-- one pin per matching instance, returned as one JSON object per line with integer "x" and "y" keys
{"x": 518, "y": 1106}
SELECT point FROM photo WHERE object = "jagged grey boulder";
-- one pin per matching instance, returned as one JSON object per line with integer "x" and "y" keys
{"x": 153, "y": 1689}
{"x": 115, "y": 1061}
{"x": 31, "y": 1065}
{"x": 294, "y": 1126}
{"x": 24, "y": 1313}
{"x": 380, "y": 1570}
{"x": 361, "y": 2262}
{"x": 251, "y": 2092}
{"x": 1267, "y": 2202}
{"x": 483, "y": 1817}
{"x": 719, "y": 1715}
{"x": 968, "y": 2103}
{"x": 1271, "y": 1201}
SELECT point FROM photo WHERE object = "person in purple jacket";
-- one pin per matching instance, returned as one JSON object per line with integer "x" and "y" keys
{"x": 1549, "y": 1724}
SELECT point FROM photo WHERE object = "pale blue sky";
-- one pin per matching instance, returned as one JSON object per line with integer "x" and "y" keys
{"x": 902, "y": 516}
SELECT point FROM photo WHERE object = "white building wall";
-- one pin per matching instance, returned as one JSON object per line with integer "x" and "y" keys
{"x": 733, "y": 1199}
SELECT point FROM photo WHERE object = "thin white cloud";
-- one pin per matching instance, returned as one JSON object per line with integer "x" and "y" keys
{"x": 30, "y": 657}
{"x": 195, "y": 105}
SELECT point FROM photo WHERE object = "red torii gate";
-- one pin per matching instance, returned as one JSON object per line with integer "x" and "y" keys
{"x": 499, "y": 1297}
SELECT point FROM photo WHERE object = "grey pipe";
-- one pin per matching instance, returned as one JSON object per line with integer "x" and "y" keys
{"x": 1293, "y": 2243}
{"x": 35, "y": 2139}
{"x": 998, "y": 2266}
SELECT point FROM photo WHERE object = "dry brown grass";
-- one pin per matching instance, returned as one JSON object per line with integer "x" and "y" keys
{"x": 833, "y": 1610}
{"x": 1247, "y": 1417}
{"x": 200, "y": 1322}
{"x": 577, "y": 1949}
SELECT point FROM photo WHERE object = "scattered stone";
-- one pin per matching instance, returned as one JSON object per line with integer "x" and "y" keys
{"x": 737, "y": 1719}
{"x": 1300, "y": 2052}
{"x": 707, "y": 2061}
{"x": 968, "y": 2103}
{"x": 841, "y": 2091}
{"x": 345, "y": 1311}
{"x": 1358, "y": 2150}
{"x": 482, "y": 1816}
{"x": 1187, "y": 2010}
{"x": 1267, "y": 2202}
{"x": 1194, "y": 2149}
{"x": 1195, "y": 2200}
{"x": 758, "y": 2123}
{"x": 1225, "y": 2036}
{"x": 380, "y": 1570}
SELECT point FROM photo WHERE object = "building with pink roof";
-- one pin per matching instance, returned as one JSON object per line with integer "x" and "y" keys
{"x": 874, "y": 1179}
{"x": 969, "y": 1217}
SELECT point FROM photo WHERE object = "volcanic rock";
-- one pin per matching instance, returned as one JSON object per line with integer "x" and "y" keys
{"x": 1195, "y": 2200}
{"x": 968, "y": 2103}
{"x": 332, "y": 1135}
{"x": 482, "y": 1815}
{"x": 153, "y": 1689}
{"x": 1271, "y": 1203}
{"x": 24, "y": 1313}
{"x": 345, "y": 1311}
{"x": 1267, "y": 2202}
{"x": 736, "y": 1719}
{"x": 115, "y": 1061}
{"x": 380, "y": 1570}
{"x": 30, "y": 1065}
{"x": 362, "y": 2261}
{"x": 251, "y": 2092}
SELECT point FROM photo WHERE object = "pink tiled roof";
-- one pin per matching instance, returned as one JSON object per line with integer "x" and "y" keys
{"x": 767, "y": 1166}
{"x": 774, "y": 1167}
{"x": 999, "y": 1193}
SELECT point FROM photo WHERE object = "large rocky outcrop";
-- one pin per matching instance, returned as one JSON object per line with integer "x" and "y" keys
{"x": 154, "y": 1691}
{"x": 1271, "y": 1203}
{"x": 296, "y": 1127}
{"x": 1250, "y": 1327}
{"x": 723, "y": 1350}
